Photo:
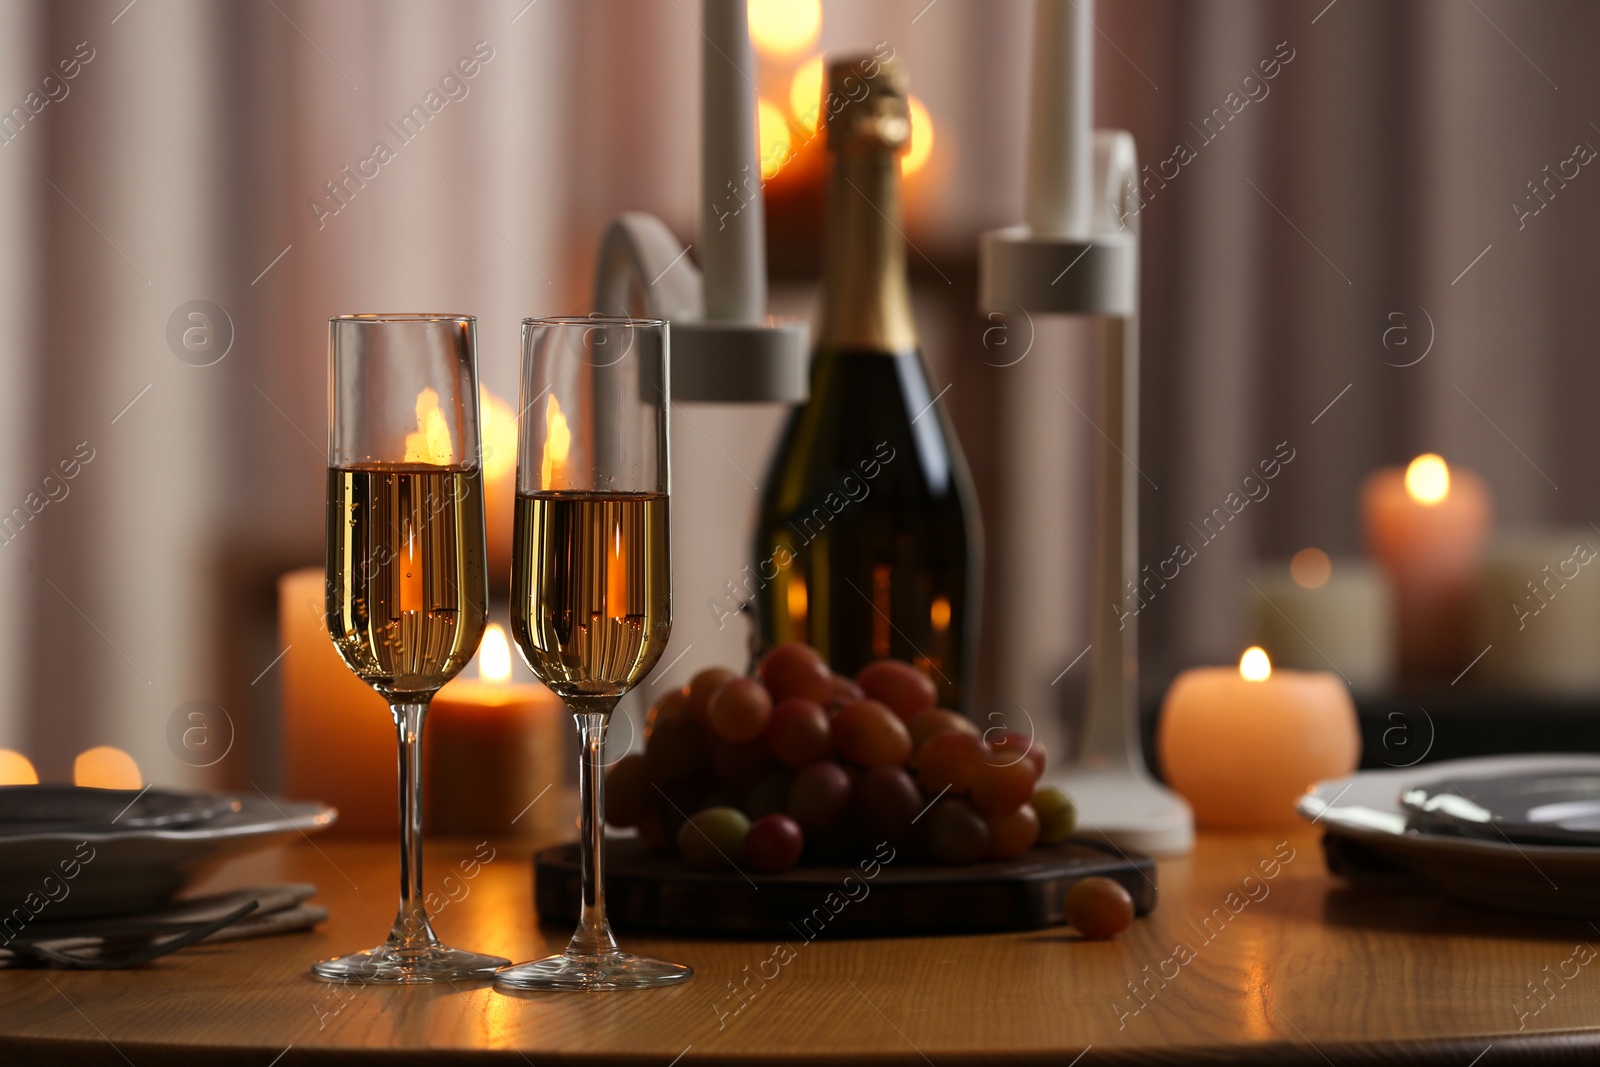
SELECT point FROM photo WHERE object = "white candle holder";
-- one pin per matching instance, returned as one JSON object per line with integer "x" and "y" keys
{"x": 724, "y": 347}
{"x": 1087, "y": 263}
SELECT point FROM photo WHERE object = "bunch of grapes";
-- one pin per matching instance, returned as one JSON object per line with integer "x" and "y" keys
{"x": 801, "y": 762}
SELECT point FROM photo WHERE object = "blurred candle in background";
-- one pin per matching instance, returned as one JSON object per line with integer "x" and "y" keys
{"x": 1241, "y": 745}
{"x": 338, "y": 734}
{"x": 491, "y": 748}
{"x": 1427, "y": 526}
{"x": 498, "y": 428}
{"x": 1318, "y": 613}
{"x": 1539, "y": 607}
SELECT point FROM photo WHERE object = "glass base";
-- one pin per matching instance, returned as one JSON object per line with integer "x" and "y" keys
{"x": 614, "y": 970}
{"x": 424, "y": 963}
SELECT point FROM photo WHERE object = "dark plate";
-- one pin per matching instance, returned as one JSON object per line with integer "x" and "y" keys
{"x": 52, "y": 809}
{"x": 1548, "y": 807}
{"x": 883, "y": 894}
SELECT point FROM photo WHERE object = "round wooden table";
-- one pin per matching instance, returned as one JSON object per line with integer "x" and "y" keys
{"x": 1254, "y": 955}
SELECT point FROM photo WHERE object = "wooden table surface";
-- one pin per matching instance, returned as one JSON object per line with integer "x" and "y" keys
{"x": 1295, "y": 968}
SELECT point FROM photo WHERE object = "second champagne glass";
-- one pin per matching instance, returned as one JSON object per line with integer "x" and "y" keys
{"x": 407, "y": 591}
{"x": 591, "y": 601}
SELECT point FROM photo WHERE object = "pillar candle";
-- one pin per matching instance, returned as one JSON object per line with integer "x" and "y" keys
{"x": 1317, "y": 613}
{"x": 732, "y": 239}
{"x": 1241, "y": 745}
{"x": 1539, "y": 613}
{"x": 492, "y": 748}
{"x": 339, "y": 742}
{"x": 1060, "y": 188}
{"x": 499, "y": 429}
{"x": 1427, "y": 526}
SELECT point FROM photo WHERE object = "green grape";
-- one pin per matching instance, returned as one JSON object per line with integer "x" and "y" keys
{"x": 714, "y": 838}
{"x": 1057, "y": 817}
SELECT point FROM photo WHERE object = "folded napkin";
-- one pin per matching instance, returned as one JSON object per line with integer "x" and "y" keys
{"x": 130, "y": 940}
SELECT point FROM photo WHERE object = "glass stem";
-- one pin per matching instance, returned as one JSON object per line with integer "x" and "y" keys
{"x": 593, "y": 937}
{"x": 411, "y": 926}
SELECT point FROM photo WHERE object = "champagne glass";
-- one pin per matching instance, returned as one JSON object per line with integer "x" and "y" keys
{"x": 407, "y": 590}
{"x": 591, "y": 604}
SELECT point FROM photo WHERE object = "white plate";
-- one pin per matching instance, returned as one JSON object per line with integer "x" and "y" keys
{"x": 50, "y": 875}
{"x": 1555, "y": 879}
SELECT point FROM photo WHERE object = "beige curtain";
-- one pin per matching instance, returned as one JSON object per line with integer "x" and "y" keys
{"x": 183, "y": 162}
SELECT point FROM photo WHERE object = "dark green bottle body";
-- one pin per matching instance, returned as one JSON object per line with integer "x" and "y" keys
{"x": 869, "y": 526}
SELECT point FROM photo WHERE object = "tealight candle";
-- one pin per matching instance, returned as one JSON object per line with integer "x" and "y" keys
{"x": 1242, "y": 745}
{"x": 491, "y": 748}
{"x": 1427, "y": 526}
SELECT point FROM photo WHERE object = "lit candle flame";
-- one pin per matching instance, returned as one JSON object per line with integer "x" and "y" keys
{"x": 494, "y": 656}
{"x": 784, "y": 27}
{"x": 772, "y": 136}
{"x": 797, "y": 601}
{"x": 557, "y": 444}
{"x": 805, "y": 94}
{"x": 920, "y": 146}
{"x": 1428, "y": 479}
{"x": 939, "y": 614}
{"x": 104, "y": 767}
{"x": 498, "y": 427}
{"x": 1254, "y": 666}
{"x": 1311, "y": 568}
{"x": 16, "y": 769}
{"x": 430, "y": 441}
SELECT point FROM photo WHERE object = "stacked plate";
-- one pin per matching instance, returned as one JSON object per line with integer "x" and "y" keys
{"x": 71, "y": 853}
{"x": 1519, "y": 832}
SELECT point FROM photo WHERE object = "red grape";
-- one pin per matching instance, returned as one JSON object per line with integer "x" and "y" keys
{"x": 844, "y": 691}
{"x": 900, "y": 685}
{"x": 956, "y": 833}
{"x": 676, "y": 748}
{"x": 741, "y": 764}
{"x": 1010, "y": 746}
{"x": 674, "y": 703}
{"x": 1099, "y": 908}
{"x": 739, "y": 710}
{"x": 629, "y": 795}
{"x": 701, "y": 686}
{"x": 1057, "y": 816}
{"x": 868, "y": 733}
{"x": 948, "y": 761}
{"x": 798, "y": 734}
{"x": 1001, "y": 788}
{"x": 887, "y": 800}
{"x": 793, "y": 669}
{"x": 713, "y": 838}
{"x": 1013, "y": 834}
{"x": 774, "y": 843}
{"x": 819, "y": 796}
{"x": 924, "y": 724}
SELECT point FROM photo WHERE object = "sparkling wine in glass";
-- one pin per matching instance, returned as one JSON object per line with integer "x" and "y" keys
{"x": 406, "y": 589}
{"x": 591, "y": 599}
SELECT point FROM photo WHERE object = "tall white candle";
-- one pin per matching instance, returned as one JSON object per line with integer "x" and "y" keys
{"x": 1061, "y": 126}
{"x": 732, "y": 250}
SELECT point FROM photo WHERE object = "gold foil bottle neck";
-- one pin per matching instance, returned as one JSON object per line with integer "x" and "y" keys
{"x": 867, "y": 104}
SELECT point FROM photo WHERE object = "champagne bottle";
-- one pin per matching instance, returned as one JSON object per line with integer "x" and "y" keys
{"x": 869, "y": 542}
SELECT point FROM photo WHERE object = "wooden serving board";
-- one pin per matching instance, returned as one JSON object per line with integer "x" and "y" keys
{"x": 883, "y": 894}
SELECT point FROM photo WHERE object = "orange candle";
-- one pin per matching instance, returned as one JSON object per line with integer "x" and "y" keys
{"x": 338, "y": 734}
{"x": 1242, "y": 745}
{"x": 494, "y": 752}
{"x": 499, "y": 433}
{"x": 1427, "y": 526}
